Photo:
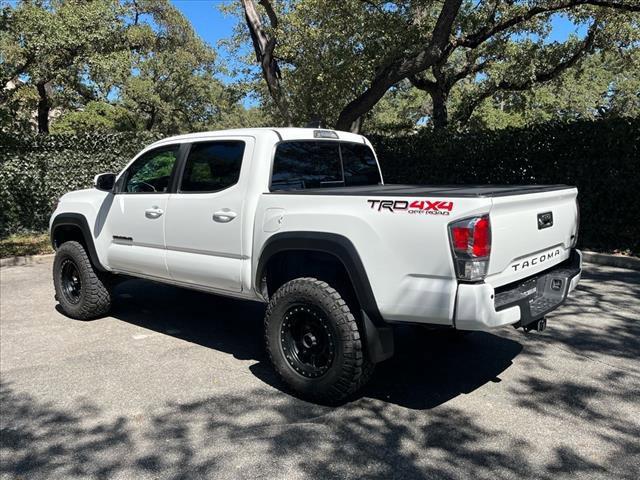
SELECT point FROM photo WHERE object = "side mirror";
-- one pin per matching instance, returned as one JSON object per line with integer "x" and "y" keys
{"x": 104, "y": 181}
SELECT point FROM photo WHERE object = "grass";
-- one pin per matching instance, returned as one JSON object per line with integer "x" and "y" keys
{"x": 25, "y": 244}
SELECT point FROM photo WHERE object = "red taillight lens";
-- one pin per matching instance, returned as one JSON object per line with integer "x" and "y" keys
{"x": 460, "y": 237}
{"x": 482, "y": 238}
{"x": 471, "y": 242}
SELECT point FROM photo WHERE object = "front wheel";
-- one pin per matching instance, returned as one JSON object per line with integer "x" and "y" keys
{"x": 82, "y": 292}
{"x": 314, "y": 342}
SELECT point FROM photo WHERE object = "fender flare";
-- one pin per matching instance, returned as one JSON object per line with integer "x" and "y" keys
{"x": 77, "y": 220}
{"x": 378, "y": 333}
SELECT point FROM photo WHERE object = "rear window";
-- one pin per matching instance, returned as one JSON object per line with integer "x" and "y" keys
{"x": 316, "y": 164}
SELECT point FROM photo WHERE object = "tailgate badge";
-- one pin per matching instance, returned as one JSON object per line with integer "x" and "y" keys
{"x": 545, "y": 220}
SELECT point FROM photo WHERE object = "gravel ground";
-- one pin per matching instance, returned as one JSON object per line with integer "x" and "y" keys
{"x": 175, "y": 384}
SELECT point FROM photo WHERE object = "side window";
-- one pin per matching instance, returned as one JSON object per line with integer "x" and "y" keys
{"x": 360, "y": 167}
{"x": 306, "y": 164}
{"x": 151, "y": 172}
{"x": 212, "y": 166}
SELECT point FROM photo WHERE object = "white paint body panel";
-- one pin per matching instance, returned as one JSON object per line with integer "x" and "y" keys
{"x": 475, "y": 308}
{"x": 126, "y": 218}
{"x": 515, "y": 236}
{"x": 407, "y": 257}
{"x": 201, "y": 250}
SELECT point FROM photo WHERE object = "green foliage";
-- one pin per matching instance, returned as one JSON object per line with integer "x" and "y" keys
{"x": 110, "y": 65}
{"x": 330, "y": 52}
{"x": 56, "y": 44}
{"x": 36, "y": 170}
{"x": 606, "y": 85}
{"x": 95, "y": 117}
{"x": 601, "y": 158}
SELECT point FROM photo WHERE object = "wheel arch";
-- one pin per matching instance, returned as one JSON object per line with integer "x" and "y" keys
{"x": 378, "y": 333}
{"x": 74, "y": 226}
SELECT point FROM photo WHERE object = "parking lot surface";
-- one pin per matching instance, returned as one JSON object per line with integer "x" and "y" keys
{"x": 176, "y": 384}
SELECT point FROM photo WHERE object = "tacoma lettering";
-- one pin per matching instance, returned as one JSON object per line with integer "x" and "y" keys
{"x": 536, "y": 260}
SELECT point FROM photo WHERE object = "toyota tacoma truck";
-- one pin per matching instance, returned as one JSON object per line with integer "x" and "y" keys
{"x": 302, "y": 220}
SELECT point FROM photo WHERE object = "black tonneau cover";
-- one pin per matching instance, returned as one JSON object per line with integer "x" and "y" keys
{"x": 427, "y": 190}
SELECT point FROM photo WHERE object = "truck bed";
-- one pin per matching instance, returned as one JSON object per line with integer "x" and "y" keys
{"x": 391, "y": 190}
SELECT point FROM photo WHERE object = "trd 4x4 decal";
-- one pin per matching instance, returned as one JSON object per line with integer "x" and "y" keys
{"x": 416, "y": 207}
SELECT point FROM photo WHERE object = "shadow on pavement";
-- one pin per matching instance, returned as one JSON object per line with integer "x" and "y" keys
{"x": 263, "y": 433}
{"x": 429, "y": 368}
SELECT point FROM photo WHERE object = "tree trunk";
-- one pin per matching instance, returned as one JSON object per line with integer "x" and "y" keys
{"x": 264, "y": 48}
{"x": 356, "y": 126}
{"x": 44, "y": 107}
{"x": 151, "y": 121}
{"x": 440, "y": 117}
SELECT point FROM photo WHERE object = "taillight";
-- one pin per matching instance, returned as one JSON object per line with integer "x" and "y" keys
{"x": 471, "y": 245}
{"x": 574, "y": 241}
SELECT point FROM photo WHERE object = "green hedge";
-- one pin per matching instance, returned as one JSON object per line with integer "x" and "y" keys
{"x": 601, "y": 158}
{"x": 37, "y": 170}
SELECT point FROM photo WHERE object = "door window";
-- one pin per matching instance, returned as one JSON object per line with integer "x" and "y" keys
{"x": 212, "y": 166}
{"x": 151, "y": 173}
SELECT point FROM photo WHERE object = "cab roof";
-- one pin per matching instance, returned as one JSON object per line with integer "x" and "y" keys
{"x": 278, "y": 134}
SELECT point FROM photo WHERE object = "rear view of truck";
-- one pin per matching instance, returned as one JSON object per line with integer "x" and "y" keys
{"x": 519, "y": 262}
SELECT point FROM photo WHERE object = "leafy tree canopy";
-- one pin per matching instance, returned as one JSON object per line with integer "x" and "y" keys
{"x": 109, "y": 64}
{"x": 336, "y": 60}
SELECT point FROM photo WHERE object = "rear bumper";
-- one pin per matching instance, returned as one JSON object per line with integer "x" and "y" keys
{"x": 481, "y": 307}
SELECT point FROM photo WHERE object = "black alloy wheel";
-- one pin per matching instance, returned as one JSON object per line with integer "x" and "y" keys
{"x": 307, "y": 341}
{"x": 70, "y": 280}
{"x": 83, "y": 291}
{"x": 314, "y": 342}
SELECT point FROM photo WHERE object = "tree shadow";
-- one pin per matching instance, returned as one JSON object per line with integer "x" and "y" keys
{"x": 429, "y": 368}
{"x": 600, "y": 320}
{"x": 265, "y": 434}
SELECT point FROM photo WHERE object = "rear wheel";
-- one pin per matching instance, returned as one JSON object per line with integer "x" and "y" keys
{"x": 82, "y": 292}
{"x": 314, "y": 342}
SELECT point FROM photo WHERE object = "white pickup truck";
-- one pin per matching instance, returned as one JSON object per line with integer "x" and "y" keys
{"x": 301, "y": 219}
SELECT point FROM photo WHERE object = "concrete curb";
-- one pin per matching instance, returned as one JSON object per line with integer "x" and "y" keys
{"x": 24, "y": 260}
{"x": 609, "y": 260}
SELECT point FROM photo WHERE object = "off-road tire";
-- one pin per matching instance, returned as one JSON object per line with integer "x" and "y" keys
{"x": 349, "y": 369}
{"x": 94, "y": 299}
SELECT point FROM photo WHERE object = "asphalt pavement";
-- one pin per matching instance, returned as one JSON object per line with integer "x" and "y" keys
{"x": 176, "y": 384}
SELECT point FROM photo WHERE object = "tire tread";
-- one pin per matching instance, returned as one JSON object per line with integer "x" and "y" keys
{"x": 96, "y": 295}
{"x": 355, "y": 371}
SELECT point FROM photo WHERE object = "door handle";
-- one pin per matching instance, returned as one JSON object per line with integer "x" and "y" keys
{"x": 153, "y": 212}
{"x": 224, "y": 216}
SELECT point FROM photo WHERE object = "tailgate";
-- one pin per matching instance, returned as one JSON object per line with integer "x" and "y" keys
{"x": 530, "y": 233}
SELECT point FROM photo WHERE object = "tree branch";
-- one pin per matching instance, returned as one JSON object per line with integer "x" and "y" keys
{"x": 17, "y": 71}
{"x": 475, "y": 39}
{"x": 402, "y": 68}
{"x": 264, "y": 47}
{"x": 470, "y": 69}
{"x": 273, "y": 19}
{"x": 539, "y": 77}
{"x": 422, "y": 83}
